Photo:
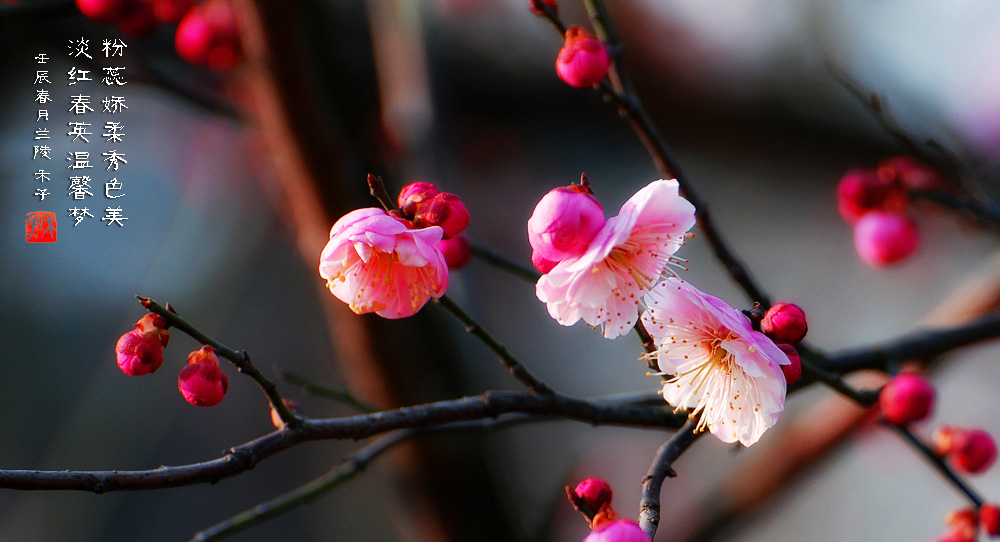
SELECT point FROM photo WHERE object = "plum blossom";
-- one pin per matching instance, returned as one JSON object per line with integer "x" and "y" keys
{"x": 723, "y": 369}
{"x": 378, "y": 263}
{"x": 626, "y": 258}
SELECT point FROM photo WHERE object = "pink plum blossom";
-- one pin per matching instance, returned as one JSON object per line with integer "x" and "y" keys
{"x": 564, "y": 222}
{"x": 723, "y": 369}
{"x": 623, "y": 530}
{"x": 626, "y": 258}
{"x": 377, "y": 263}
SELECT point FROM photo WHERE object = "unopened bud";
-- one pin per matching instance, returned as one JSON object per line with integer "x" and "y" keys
{"x": 792, "y": 371}
{"x": 906, "y": 399}
{"x": 202, "y": 383}
{"x": 140, "y": 351}
{"x": 859, "y": 192}
{"x": 456, "y": 251}
{"x": 784, "y": 323}
{"x": 583, "y": 61}
{"x": 623, "y": 530}
{"x": 413, "y": 195}
{"x": 908, "y": 172}
{"x": 208, "y": 35}
{"x": 564, "y": 223}
{"x": 989, "y": 519}
{"x": 885, "y": 238}
{"x": 973, "y": 451}
{"x": 445, "y": 210}
{"x": 595, "y": 492}
{"x": 100, "y": 10}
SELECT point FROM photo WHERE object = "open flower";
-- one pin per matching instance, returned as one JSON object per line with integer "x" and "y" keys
{"x": 377, "y": 263}
{"x": 626, "y": 258}
{"x": 723, "y": 369}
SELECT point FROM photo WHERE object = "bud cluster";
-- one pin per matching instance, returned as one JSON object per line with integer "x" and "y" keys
{"x": 964, "y": 522}
{"x": 422, "y": 205}
{"x": 207, "y": 34}
{"x": 785, "y": 324}
{"x": 877, "y": 203}
{"x": 140, "y": 351}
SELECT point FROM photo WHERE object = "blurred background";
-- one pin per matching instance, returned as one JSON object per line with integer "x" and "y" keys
{"x": 234, "y": 178}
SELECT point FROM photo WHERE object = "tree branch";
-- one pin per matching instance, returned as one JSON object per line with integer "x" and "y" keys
{"x": 509, "y": 361}
{"x": 489, "y": 405}
{"x": 921, "y": 344}
{"x": 652, "y": 483}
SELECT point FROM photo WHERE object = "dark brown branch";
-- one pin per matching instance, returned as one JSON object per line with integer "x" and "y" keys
{"x": 661, "y": 468}
{"x": 489, "y": 405}
{"x": 921, "y": 344}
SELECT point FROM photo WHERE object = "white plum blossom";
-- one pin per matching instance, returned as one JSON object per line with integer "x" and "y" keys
{"x": 722, "y": 369}
{"x": 626, "y": 258}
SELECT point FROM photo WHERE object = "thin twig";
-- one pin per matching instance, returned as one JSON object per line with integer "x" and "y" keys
{"x": 496, "y": 259}
{"x": 323, "y": 390}
{"x": 659, "y": 469}
{"x": 865, "y": 398}
{"x": 509, "y": 361}
{"x": 939, "y": 463}
{"x": 240, "y": 359}
{"x": 351, "y": 466}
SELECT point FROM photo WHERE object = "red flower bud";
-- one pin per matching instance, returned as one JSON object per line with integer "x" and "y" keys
{"x": 792, "y": 371}
{"x": 859, "y": 192}
{"x": 583, "y": 61}
{"x": 171, "y": 11}
{"x": 595, "y": 492}
{"x": 906, "y": 399}
{"x": 962, "y": 524}
{"x": 457, "y": 251}
{"x": 445, "y": 210}
{"x": 140, "y": 351}
{"x": 208, "y": 36}
{"x": 989, "y": 519}
{"x": 100, "y": 10}
{"x": 564, "y": 223}
{"x": 885, "y": 238}
{"x": 413, "y": 195}
{"x": 973, "y": 451}
{"x": 908, "y": 172}
{"x": 623, "y": 530}
{"x": 202, "y": 383}
{"x": 136, "y": 18}
{"x": 784, "y": 323}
